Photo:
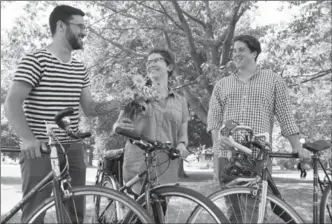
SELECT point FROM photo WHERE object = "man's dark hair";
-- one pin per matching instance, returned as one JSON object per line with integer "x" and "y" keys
{"x": 251, "y": 42}
{"x": 63, "y": 13}
{"x": 167, "y": 55}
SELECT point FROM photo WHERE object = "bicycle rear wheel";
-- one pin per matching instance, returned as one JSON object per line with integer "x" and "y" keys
{"x": 174, "y": 204}
{"x": 240, "y": 205}
{"x": 105, "y": 215}
{"x": 109, "y": 181}
{"x": 326, "y": 205}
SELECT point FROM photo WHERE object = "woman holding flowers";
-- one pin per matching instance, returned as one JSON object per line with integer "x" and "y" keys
{"x": 165, "y": 119}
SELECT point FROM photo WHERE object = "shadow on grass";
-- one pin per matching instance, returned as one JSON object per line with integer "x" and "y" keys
{"x": 11, "y": 180}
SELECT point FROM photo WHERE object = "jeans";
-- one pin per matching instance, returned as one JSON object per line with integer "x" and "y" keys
{"x": 34, "y": 170}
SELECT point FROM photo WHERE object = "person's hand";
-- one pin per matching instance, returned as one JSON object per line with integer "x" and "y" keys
{"x": 31, "y": 148}
{"x": 183, "y": 150}
{"x": 124, "y": 123}
{"x": 303, "y": 153}
{"x": 223, "y": 143}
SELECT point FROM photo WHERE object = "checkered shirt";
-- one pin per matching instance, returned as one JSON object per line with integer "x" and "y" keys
{"x": 253, "y": 104}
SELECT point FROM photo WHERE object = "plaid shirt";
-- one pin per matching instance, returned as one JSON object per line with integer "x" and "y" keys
{"x": 253, "y": 104}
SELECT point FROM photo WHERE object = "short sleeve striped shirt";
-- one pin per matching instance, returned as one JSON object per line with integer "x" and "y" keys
{"x": 254, "y": 103}
{"x": 55, "y": 86}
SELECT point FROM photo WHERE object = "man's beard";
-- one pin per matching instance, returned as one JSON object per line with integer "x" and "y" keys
{"x": 74, "y": 42}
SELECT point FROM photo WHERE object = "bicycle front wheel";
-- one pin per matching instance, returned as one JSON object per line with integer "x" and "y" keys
{"x": 326, "y": 205}
{"x": 174, "y": 204}
{"x": 87, "y": 194}
{"x": 240, "y": 205}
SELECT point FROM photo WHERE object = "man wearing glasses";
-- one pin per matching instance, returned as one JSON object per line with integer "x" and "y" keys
{"x": 46, "y": 82}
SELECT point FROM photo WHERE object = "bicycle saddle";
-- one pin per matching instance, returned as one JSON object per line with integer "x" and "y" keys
{"x": 318, "y": 145}
{"x": 113, "y": 153}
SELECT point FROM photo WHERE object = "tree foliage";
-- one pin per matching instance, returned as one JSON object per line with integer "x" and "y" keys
{"x": 200, "y": 34}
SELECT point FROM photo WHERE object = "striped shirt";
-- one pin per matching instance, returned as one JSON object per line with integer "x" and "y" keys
{"x": 55, "y": 86}
{"x": 253, "y": 103}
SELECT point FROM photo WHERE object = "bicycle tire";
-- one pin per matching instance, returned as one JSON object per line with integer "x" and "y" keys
{"x": 272, "y": 198}
{"x": 326, "y": 197}
{"x": 101, "y": 192}
{"x": 107, "y": 181}
{"x": 163, "y": 191}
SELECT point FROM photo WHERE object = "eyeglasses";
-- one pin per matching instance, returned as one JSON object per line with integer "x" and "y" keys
{"x": 154, "y": 60}
{"x": 82, "y": 27}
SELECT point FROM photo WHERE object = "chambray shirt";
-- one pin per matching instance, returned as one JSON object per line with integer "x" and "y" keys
{"x": 161, "y": 122}
{"x": 253, "y": 103}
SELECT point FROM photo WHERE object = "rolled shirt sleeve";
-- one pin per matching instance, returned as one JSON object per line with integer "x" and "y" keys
{"x": 283, "y": 110}
{"x": 215, "y": 113}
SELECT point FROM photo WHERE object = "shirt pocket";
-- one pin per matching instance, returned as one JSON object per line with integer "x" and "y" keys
{"x": 173, "y": 115}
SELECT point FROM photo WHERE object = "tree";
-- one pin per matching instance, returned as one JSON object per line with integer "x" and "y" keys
{"x": 300, "y": 51}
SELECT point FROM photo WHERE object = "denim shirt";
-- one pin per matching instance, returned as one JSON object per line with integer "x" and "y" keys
{"x": 162, "y": 122}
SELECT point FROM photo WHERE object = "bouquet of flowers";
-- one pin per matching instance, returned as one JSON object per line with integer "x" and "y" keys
{"x": 135, "y": 91}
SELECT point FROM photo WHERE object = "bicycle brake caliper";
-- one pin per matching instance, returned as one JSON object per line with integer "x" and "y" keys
{"x": 66, "y": 192}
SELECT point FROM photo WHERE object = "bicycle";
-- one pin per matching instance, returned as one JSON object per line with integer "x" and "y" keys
{"x": 161, "y": 201}
{"x": 64, "y": 193}
{"x": 261, "y": 188}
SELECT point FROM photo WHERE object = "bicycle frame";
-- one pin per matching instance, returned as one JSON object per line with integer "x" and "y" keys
{"x": 53, "y": 176}
{"x": 148, "y": 181}
{"x": 316, "y": 160}
{"x": 265, "y": 181}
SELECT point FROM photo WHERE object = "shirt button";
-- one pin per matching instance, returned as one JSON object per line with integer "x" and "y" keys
{"x": 244, "y": 97}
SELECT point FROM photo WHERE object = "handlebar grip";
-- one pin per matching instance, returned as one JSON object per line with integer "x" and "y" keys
{"x": 79, "y": 135}
{"x": 47, "y": 150}
{"x": 130, "y": 134}
{"x": 58, "y": 117}
{"x": 283, "y": 155}
{"x": 174, "y": 153}
{"x": 84, "y": 135}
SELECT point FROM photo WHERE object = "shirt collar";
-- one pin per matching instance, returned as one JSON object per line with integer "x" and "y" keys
{"x": 257, "y": 73}
{"x": 171, "y": 92}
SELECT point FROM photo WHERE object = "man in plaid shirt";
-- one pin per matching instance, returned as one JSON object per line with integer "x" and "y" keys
{"x": 251, "y": 97}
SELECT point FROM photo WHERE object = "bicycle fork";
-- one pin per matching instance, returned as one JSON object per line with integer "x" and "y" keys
{"x": 262, "y": 203}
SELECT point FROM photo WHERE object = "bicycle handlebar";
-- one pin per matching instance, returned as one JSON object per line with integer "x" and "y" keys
{"x": 64, "y": 124}
{"x": 63, "y": 113}
{"x": 147, "y": 144}
{"x": 256, "y": 144}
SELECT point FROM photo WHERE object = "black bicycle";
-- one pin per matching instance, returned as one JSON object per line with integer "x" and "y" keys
{"x": 165, "y": 203}
{"x": 256, "y": 199}
{"x": 55, "y": 206}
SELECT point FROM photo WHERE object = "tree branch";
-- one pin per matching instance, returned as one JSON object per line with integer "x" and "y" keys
{"x": 178, "y": 25}
{"x": 188, "y": 33}
{"x": 118, "y": 45}
{"x": 229, "y": 36}
{"x": 185, "y": 85}
{"x": 194, "y": 19}
{"x": 319, "y": 75}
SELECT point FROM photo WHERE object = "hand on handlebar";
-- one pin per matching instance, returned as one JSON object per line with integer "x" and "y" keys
{"x": 303, "y": 153}
{"x": 224, "y": 143}
{"x": 183, "y": 150}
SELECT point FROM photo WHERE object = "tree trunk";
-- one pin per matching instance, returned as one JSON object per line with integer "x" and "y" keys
{"x": 181, "y": 173}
